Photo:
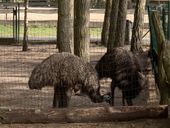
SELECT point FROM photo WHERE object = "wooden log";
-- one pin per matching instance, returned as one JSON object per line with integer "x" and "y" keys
{"x": 82, "y": 115}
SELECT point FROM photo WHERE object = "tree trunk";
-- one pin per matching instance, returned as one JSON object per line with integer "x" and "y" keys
{"x": 138, "y": 25}
{"x": 128, "y": 32}
{"x": 81, "y": 29}
{"x": 65, "y": 26}
{"x": 113, "y": 25}
{"x": 166, "y": 60}
{"x": 121, "y": 24}
{"x": 25, "y": 38}
{"x": 106, "y": 23}
{"x": 166, "y": 66}
{"x": 163, "y": 85}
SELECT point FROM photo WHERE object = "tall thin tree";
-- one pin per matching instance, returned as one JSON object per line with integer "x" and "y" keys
{"x": 121, "y": 24}
{"x": 113, "y": 25}
{"x": 65, "y": 34}
{"x": 81, "y": 29}
{"x": 25, "y": 37}
{"x": 106, "y": 23}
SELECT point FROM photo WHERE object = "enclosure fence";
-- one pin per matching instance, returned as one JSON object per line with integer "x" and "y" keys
{"x": 42, "y": 24}
{"x": 16, "y": 66}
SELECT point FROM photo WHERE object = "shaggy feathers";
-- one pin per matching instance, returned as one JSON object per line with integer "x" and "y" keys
{"x": 123, "y": 68}
{"x": 66, "y": 72}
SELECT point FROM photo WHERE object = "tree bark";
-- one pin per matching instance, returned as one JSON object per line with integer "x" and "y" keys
{"x": 121, "y": 24}
{"x": 138, "y": 25}
{"x": 113, "y": 25}
{"x": 25, "y": 38}
{"x": 106, "y": 23}
{"x": 166, "y": 60}
{"x": 65, "y": 26}
{"x": 163, "y": 84}
{"x": 82, "y": 115}
{"x": 128, "y": 32}
{"x": 81, "y": 29}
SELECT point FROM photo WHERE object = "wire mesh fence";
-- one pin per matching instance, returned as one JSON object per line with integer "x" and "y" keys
{"x": 16, "y": 66}
{"x": 42, "y": 24}
{"x": 15, "y": 70}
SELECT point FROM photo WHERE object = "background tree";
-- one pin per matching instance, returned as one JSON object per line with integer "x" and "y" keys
{"x": 163, "y": 51}
{"x": 65, "y": 26}
{"x": 81, "y": 29}
{"x": 25, "y": 37}
{"x": 121, "y": 24}
{"x": 138, "y": 25}
{"x": 113, "y": 24}
{"x": 106, "y": 23}
{"x": 117, "y": 24}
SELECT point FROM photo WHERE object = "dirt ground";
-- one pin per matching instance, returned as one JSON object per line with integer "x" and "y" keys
{"x": 164, "y": 123}
{"x": 45, "y": 14}
{"x": 15, "y": 69}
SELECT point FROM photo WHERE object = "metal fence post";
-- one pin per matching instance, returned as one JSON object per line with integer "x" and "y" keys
{"x": 13, "y": 23}
{"x": 18, "y": 22}
{"x": 153, "y": 44}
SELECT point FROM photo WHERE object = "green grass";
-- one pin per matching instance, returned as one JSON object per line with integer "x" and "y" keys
{"x": 40, "y": 31}
{"x": 95, "y": 32}
{"x": 44, "y": 31}
{"x": 6, "y": 30}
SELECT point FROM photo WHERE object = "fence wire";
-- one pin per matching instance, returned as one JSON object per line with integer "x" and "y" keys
{"x": 16, "y": 66}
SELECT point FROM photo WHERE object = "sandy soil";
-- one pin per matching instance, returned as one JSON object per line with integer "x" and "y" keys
{"x": 15, "y": 69}
{"x": 45, "y": 15}
{"x": 165, "y": 123}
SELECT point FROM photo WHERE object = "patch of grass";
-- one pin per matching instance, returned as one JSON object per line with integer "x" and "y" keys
{"x": 95, "y": 32}
{"x": 40, "y": 31}
{"x": 43, "y": 31}
{"x": 6, "y": 30}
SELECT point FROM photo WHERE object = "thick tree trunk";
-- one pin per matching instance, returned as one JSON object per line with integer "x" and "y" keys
{"x": 82, "y": 115}
{"x": 138, "y": 25}
{"x": 113, "y": 25}
{"x": 166, "y": 66}
{"x": 121, "y": 23}
{"x": 163, "y": 83}
{"x": 81, "y": 29}
{"x": 25, "y": 38}
{"x": 65, "y": 26}
{"x": 166, "y": 60}
{"x": 106, "y": 23}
